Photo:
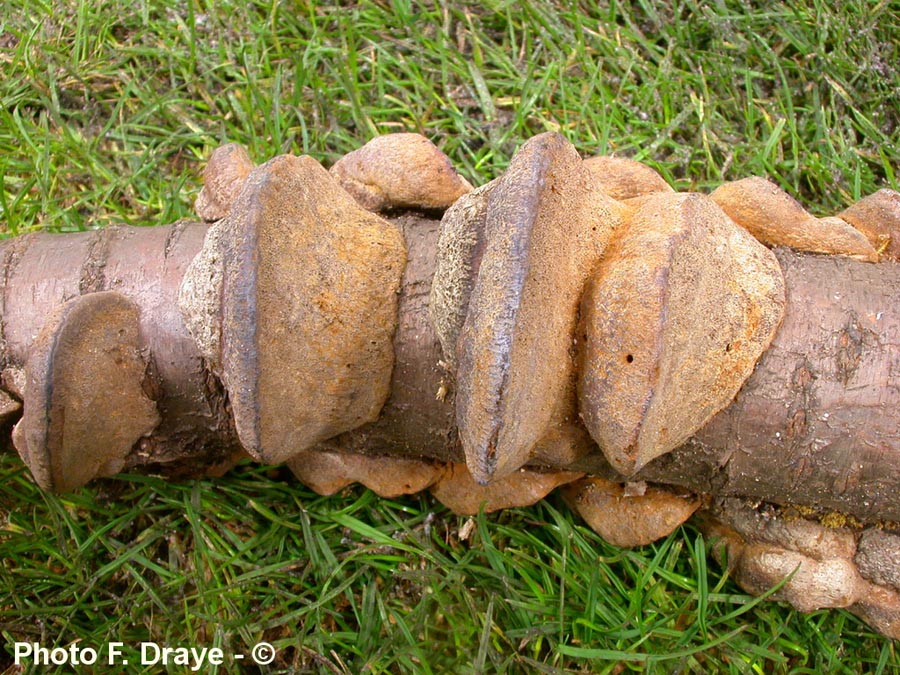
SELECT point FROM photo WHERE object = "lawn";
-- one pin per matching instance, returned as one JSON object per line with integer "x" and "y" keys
{"x": 108, "y": 113}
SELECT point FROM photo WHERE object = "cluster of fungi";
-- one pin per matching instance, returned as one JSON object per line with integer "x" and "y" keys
{"x": 574, "y": 324}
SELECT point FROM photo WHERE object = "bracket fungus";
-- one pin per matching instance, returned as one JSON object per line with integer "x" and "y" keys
{"x": 775, "y": 218}
{"x": 462, "y": 494}
{"x": 672, "y": 324}
{"x": 571, "y": 323}
{"x": 459, "y": 254}
{"x": 327, "y": 472}
{"x": 85, "y": 405}
{"x": 309, "y": 284}
{"x": 628, "y": 519}
{"x": 546, "y": 225}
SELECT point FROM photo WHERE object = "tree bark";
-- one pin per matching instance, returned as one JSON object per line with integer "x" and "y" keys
{"x": 42, "y": 271}
{"x": 815, "y": 425}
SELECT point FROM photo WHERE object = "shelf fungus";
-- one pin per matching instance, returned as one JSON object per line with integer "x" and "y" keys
{"x": 546, "y": 224}
{"x": 308, "y": 307}
{"x": 628, "y": 518}
{"x": 571, "y": 323}
{"x": 85, "y": 405}
{"x": 777, "y": 219}
{"x": 672, "y": 323}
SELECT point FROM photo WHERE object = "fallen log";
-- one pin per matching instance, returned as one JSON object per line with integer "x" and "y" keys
{"x": 574, "y": 322}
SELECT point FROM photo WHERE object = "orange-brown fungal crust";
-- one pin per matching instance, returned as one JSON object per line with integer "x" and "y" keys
{"x": 546, "y": 225}
{"x": 223, "y": 177}
{"x": 85, "y": 406}
{"x": 775, "y": 218}
{"x": 328, "y": 472}
{"x": 623, "y": 178}
{"x": 400, "y": 171}
{"x": 818, "y": 567}
{"x": 626, "y": 518}
{"x": 458, "y": 491}
{"x": 460, "y": 249}
{"x": 672, "y": 323}
{"x": 309, "y": 308}
{"x": 878, "y": 218}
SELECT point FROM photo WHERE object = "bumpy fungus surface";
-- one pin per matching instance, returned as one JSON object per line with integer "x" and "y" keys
{"x": 546, "y": 225}
{"x": 878, "y": 218}
{"x": 818, "y": 567}
{"x": 309, "y": 308}
{"x": 223, "y": 177}
{"x": 775, "y": 218}
{"x": 622, "y": 178}
{"x": 460, "y": 250}
{"x": 676, "y": 316}
{"x": 400, "y": 171}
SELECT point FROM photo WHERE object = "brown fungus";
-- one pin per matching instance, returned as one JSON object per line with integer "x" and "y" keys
{"x": 672, "y": 323}
{"x": 458, "y": 491}
{"x": 878, "y": 557}
{"x": 815, "y": 566}
{"x": 628, "y": 518}
{"x": 224, "y": 175}
{"x": 775, "y": 218}
{"x": 308, "y": 308}
{"x": 546, "y": 225}
{"x": 327, "y": 472}
{"x": 85, "y": 405}
{"x": 878, "y": 218}
{"x": 400, "y": 171}
{"x": 813, "y": 584}
{"x": 622, "y": 178}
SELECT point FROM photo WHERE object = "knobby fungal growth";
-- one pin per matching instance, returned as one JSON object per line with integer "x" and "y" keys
{"x": 676, "y": 315}
{"x": 575, "y": 323}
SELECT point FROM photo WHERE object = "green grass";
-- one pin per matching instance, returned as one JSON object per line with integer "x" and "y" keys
{"x": 107, "y": 111}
